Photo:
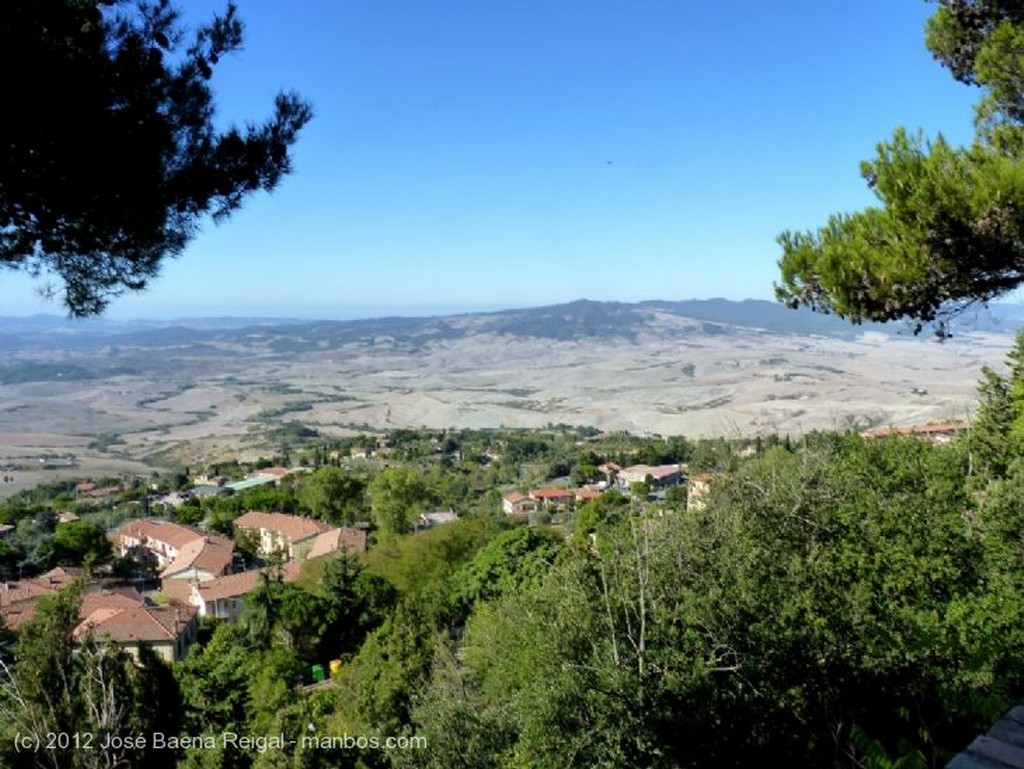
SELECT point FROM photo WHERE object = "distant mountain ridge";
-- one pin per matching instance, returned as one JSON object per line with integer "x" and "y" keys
{"x": 204, "y": 389}
{"x": 580, "y": 319}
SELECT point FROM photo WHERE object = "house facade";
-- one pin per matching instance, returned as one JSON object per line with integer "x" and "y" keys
{"x": 553, "y": 499}
{"x": 168, "y": 630}
{"x": 698, "y": 489}
{"x": 177, "y": 551}
{"x": 515, "y": 503}
{"x": 115, "y": 614}
{"x": 279, "y": 533}
{"x": 224, "y": 597}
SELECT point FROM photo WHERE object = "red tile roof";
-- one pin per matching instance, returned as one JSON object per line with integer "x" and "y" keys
{"x": 172, "y": 534}
{"x": 97, "y": 597}
{"x": 206, "y": 552}
{"x": 657, "y": 472}
{"x": 61, "y": 576}
{"x": 231, "y": 586}
{"x": 237, "y": 585}
{"x": 210, "y": 553}
{"x": 551, "y": 494}
{"x": 137, "y": 624}
{"x": 17, "y": 614}
{"x": 348, "y": 540}
{"x": 18, "y": 600}
{"x": 274, "y": 472}
{"x": 16, "y": 596}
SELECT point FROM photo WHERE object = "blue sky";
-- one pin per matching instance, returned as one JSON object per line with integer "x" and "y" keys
{"x": 483, "y": 155}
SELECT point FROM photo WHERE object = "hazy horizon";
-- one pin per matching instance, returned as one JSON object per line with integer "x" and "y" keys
{"x": 468, "y": 156}
{"x": 1002, "y": 317}
{"x": 313, "y": 314}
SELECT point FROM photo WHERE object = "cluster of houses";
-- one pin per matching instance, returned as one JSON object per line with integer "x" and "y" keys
{"x": 199, "y": 576}
{"x": 88, "y": 492}
{"x": 119, "y": 614}
{"x": 202, "y": 574}
{"x": 937, "y": 434}
{"x": 216, "y": 485}
{"x": 553, "y": 499}
{"x": 660, "y": 477}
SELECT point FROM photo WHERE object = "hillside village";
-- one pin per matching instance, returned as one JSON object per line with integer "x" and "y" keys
{"x": 341, "y": 572}
{"x": 184, "y": 573}
{"x": 384, "y": 582}
{"x": 785, "y": 533}
{"x": 197, "y": 574}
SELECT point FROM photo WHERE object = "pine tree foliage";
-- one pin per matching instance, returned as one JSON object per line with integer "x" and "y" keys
{"x": 110, "y": 155}
{"x": 75, "y": 701}
{"x": 997, "y": 433}
{"x": 948, "y": 232}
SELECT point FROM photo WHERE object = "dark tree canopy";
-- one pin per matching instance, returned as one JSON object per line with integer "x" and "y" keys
{"x": 110, "y": 158}
{"x": 949, "y": 230}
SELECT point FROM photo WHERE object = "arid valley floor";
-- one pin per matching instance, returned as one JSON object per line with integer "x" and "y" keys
{"x": 126, "y": 399}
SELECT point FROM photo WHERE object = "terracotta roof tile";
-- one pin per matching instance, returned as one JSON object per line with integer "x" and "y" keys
{"x": 231, "y": 586}
{"x": 117, "y": 611}
{"x": 23, "y": 590}
{"x": 17, "y": 614}
{"x": 18, "y": 599}
{"x": 210, "y": 553}
{"x": 349, "y": 540}
{"x": 657, "y": 472}
{"x": 274, "y": 472}
{"x": 61, "y": 576}
{"x": 237, "y": 585}
{"x": 173, "y": 534}
{"x": 551, "y": 494}
{"x": 97, "y": 597}
{"x": 135, "y": 624}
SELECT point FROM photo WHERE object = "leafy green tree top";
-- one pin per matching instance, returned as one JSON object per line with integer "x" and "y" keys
{"x": 949, "y": 227}
{"x": 79, "y": 543}
{"x": 86, "y": 687}
{"x": 397, "y": 496}
{"x": 334, "y": 495}
{"x": 111, "y": 158}
{"x": 997, "y": 431}
{"x": 514, "y": 560}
